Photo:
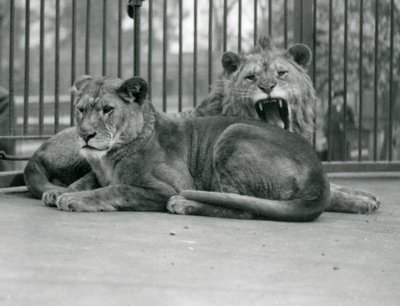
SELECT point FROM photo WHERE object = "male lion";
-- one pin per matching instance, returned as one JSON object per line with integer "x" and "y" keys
{"x": 242, "y": 90}
{"x": 272, "y": 85}
{"x": 143, "y": 160}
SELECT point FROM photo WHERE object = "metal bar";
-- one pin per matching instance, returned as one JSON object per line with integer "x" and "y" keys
{"x": 210, "y": 42}
{"x": 137, "y": 43}
{"x": 104, "y": 53}
{"x": 180, "y": 59}
{"x": 73, "y": 59}
{"x": 376, "y": 166}
{"x": 119, "y": 47}
{"x": 150, "y": 44}
{"x": 195, "y": 55}
{"x": 41, "y": 68}
{"x": 225, "y": 26}
{"x": 391, "y": 95}
{"x": 25, "y": 137}
{"x": 27, "y": 61}
{"x": 314, "y": 68}
{"x": 330, "y": 83}
{"x": 240, "y": 26}
{"x": 376, "y": 80}
{"x": 11, "y": 179}
{"x": 270, "y": 18}
{"x": 11, "y": 70}
{"x": 5, "y": 156}
{"x": 87, "y": 39}
{"x": 57, "y": 69}
{"x": 360, "y": 84}
{"x": 164, "y": 73}
{"x": 301, "y": 21}
{"x": 285, "y": 24}
{"x": 344, "y": 136}
{"x": 255, "y": 22}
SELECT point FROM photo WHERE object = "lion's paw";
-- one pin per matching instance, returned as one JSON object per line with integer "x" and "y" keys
{"x": 50, "y": 197}
{"x": 180, "y": 205}
{"x": 366, "y": 204}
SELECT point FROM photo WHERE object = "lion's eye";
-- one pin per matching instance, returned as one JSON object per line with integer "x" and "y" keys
{"x": 282, "y": 73}
{"x": 107, "y": 109}
{"x": 251, "y": 77}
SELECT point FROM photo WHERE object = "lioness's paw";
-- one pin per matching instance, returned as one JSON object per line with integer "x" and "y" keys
{"x": 50, "y": 197}
{"x": 75, "y": 201}
{"x": 180, "y": 205}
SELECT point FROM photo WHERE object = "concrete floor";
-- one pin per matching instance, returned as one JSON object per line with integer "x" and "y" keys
{"x": 48, "y": 257}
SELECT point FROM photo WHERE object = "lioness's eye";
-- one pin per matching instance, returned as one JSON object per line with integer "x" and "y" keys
{"x": 81, "y": 109}
{"x": 251, "y": 77}
{"x": 282, "y": 73}
{"x": 107, "y": 109}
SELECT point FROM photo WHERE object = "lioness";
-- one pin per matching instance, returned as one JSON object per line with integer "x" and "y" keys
{"x": 238, "y": 92}
{"x": 143, "y": 160}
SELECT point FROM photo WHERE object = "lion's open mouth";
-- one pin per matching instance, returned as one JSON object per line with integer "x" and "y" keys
{"x": 274, "y": 111}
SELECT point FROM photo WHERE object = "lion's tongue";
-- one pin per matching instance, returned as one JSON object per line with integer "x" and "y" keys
{"x": 272, "y": 115}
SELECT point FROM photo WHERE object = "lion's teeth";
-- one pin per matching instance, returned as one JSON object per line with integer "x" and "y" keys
{"x": 280, "y": 103}
{"x": 260, "y": 105}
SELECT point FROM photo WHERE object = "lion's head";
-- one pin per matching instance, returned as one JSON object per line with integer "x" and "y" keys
{"x": 109, "y": 112}
{"x": 268, "y": 84}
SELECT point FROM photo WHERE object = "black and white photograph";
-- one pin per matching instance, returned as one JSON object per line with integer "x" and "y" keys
{"x": 217, "y": 152}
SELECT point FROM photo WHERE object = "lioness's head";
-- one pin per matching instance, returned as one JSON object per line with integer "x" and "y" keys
{"x": 271, "y": 85}
{"x": 108, "y": 112}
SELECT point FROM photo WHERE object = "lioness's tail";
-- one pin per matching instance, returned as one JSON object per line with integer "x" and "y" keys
{"x": 290, "y": 210}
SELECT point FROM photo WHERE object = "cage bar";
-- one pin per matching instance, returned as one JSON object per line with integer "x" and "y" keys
{"x": 104, "y": 49}
{"x": 150, "y": 48}
{"x": 27, "y": 61}
{"x": 87, "y": 38}
{"x": 360, "y": 76}
{"x": 73, "y": 60}
{"x": 164, "y": 70}
{"x": 210, "y": 42}
{"x": 57, "y": 69}
{"x": 344, "y": 136}
{"x": 180, "y": 58}
{"x": 41, "y": 68}
{"x": 195, "y": 55}
{"x": 376, "y": 67}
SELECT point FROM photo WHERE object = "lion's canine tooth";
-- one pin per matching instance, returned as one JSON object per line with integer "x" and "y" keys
{"x": 280, "y": 103}
{"x": 260, "y": 105}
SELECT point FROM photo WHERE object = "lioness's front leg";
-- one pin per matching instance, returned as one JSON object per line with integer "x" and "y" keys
{"x": 351, "y": 201}
{"x": 87, "y": 182}
{"x": 112, "y": 198}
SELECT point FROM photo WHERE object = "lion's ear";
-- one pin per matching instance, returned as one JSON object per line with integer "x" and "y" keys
{"x": 265, "y": 43}
{"x": 133, "y": 90}
{"x": 230, "y": 61}
{"x": 81, "y": 82}
{"x": 301, "y": 54}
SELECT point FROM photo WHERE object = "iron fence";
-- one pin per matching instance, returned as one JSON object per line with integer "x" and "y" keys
{"x": 45, "y": 45}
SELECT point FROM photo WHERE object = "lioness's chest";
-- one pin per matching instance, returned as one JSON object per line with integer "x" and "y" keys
{"x": 106, "y": 172}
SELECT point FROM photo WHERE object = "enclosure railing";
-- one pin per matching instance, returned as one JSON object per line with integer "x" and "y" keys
{"x": 177, "y": 45}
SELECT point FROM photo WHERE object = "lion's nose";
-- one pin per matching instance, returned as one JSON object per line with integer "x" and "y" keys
{"x": 267, "y": 87}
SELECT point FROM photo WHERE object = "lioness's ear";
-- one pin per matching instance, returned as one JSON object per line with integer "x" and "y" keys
{"x": 301, "y": 54}
{"x": 133, "y": 90}
{"x": 81, "y": 82}
{"x": 230, "y": 61}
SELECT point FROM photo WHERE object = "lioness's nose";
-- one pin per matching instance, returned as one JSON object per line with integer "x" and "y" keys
{"x": 87, "y": 136}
